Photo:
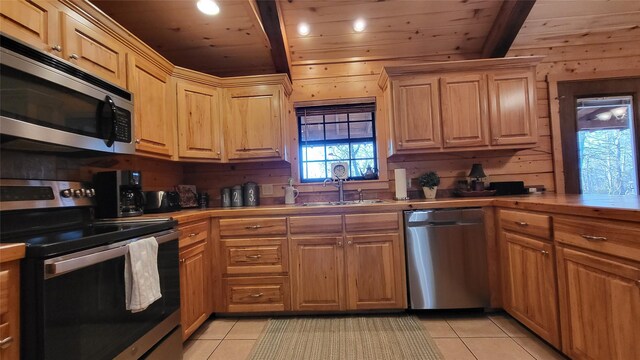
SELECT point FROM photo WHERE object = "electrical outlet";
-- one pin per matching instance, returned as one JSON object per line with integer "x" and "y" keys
{"x": 267, "y": 189}
{"x": 408, "y": 183}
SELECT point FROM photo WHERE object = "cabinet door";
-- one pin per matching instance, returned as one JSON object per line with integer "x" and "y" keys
{"x": 374, "y": 272}
{"x": 154, "y": 124}
{"x": 94, "y": 51}
{"x": 317, "y": 273}
{"x": 35, "y": 22}
{"x": 416, "y": 114}
{"x": 600, "y": 306}
{"x": 530, "y": 286}
{"x": 465, "y": 115}
{"x": 513, "y": 108}
{"x": 10, "y": 310}
{"x": 193, "y": 310}
{"x": 199, "y": 123}
{"x": 253, "y": 128}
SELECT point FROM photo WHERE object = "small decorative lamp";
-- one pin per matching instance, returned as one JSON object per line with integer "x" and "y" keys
{"x": 477, "y": 174}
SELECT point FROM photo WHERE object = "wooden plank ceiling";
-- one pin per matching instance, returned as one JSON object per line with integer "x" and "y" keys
{"x": 235, "y": 41}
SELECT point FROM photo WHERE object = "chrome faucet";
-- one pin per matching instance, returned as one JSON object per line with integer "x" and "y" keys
{"x": 339, "y": 185}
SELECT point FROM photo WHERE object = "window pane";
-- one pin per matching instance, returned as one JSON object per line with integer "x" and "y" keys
{"x": 312, "y": 132}
{"x": 361, "y": 130}
{"x": 335, "y": 118}
{"x": 311, "y": 119}
{"x": 337, "y": 131}
{"x": 360, "y": 116}
{"x": 607, "y": 159}
{"x": 338, "y": 152}
{"x": 359, "y": 167}
{"x": 316, "y": 170}
{"x": 310, "y": 153}
{"x": 362, "y": 150}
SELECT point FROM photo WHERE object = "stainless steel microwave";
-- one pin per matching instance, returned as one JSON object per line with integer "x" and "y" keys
{"x": 48, "y": 100}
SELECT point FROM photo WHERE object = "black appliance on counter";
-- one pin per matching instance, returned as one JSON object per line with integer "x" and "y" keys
{"x": 161, "y": 201}
{"x": 72, "y": 278}
{"x": 508, "y": 188}
{"x": 119, "y": 193}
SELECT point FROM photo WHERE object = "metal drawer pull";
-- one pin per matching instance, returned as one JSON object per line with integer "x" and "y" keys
{"x": 193, "y": 234}
{"x": 6, "y": 342}
{"x": 522, "y": 223}
{"x": 253, "y": 227}
{"x": 544, "y": 252}
{"x": 593, "y": 238}
{"x": 256, "y": 295}
{"x": 253, "y": 256}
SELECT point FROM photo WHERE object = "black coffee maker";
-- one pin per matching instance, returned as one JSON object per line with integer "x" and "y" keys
{"x": 118, "y": 193}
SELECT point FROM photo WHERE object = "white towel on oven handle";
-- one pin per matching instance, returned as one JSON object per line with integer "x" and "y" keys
{"x": 141, "y": 279}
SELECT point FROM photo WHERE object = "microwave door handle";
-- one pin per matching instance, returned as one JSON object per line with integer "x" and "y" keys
{"x": 113, "y": 117}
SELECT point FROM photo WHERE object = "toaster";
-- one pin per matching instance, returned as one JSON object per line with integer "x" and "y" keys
{"x": 161, "y": 201}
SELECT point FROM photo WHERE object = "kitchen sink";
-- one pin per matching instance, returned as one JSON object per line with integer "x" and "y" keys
{"x": 338, "y": 203}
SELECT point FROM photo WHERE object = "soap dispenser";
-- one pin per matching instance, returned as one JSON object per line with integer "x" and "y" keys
{"x": 290, "y": 193}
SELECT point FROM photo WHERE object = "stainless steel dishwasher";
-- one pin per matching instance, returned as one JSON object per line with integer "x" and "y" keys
{"x": 446, "y": 258}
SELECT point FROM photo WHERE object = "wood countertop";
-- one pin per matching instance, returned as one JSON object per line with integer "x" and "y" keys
{"x": 600, "y": 206}
{"x": 13, "y": 251}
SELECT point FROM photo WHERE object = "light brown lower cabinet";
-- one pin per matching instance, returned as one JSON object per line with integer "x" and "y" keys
{"x": 193, "y": 288}
{"x": 599, "y": 306}
{"x": 530, "y": 285}
{"x": 257, "y": 294}
{"x": 347, "y": 273}
{"x": 10, "y": 310}
{"x": 195, "y": 265}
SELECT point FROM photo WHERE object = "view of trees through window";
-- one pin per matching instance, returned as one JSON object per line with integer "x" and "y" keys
{"x": 606, "y": 148}
{"x": 338, "y": 133}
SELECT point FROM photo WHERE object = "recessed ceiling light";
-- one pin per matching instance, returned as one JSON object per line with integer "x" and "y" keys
{"x": 303, "y": 29}
{"x": 359, "y": 25}
{"x": 208, "y": 7}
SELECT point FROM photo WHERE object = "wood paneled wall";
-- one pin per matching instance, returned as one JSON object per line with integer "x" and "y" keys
{"x": 359, "y": 79}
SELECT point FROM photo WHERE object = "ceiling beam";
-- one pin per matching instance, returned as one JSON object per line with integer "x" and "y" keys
{"x": 273, "y": 25}
{"x": 506, "y": 27}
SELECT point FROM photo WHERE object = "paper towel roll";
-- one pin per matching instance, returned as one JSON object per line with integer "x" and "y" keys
{"x": 401, "y": 184}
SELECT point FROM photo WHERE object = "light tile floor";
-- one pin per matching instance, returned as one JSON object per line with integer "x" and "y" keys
{"x": 459, "y": 337}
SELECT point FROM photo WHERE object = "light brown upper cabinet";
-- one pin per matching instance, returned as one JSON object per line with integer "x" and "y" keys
{"x": 254, "y": 122}
{"x": 513, "y": 107}
{"x": 416, "y": 110}
{"x": 199, "y": 121}
{"x": 36, "y": 22}
{"x": 154, "y": 104}
{"x": 464, "y": 110}
{"x": 461, "y": 105}
{"x": 93, "y": 50}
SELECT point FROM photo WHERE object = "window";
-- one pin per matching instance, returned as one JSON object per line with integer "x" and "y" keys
{"x": 338, "y": 133}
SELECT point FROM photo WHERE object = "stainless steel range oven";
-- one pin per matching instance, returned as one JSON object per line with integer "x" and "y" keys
{"x": 73, "y": 295}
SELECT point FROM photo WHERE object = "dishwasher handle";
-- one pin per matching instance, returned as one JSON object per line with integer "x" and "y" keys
{"x": 432, "y": 224}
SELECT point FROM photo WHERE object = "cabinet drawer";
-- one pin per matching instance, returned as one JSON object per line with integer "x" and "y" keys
{"x": 257, "y": 294}
{"x": 371, "y": 222}
{"x": 315, "y": 224}
{"x": 192, "y": 233}
{"x": 610, "y": 237}
{"x": 255, "y": 256}
{"x": 526, "y": 223}
{"x": 253, "y": 226}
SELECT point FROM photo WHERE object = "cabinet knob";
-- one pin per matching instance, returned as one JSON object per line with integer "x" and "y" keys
{"x": 182, "y": 261}
{"x": 522, "y": 223}
{"x": 6, "y": 342}
{"x": 193, "y": 234}
{"x": 137, "y": 141}
{"x": 349, "y": 242}
{"x": 339, "y": 243}
{"x": 544, "y": 252}
{"x": 278, "y": 151}
{"x": 496, "y": 139}
{"x": 74, "y": 56}
{"x": 217, "y": 152}
{"x": 57, "y": 48}
{"x": 399, "y": 143}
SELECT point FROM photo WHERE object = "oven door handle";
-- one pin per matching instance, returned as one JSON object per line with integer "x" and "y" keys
{"x": 68, "y": 265}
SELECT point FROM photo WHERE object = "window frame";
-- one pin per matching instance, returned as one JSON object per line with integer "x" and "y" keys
{"x": 334, "y": 110}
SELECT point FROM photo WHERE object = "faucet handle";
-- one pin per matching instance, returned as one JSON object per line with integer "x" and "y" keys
{"x": 324, "y": 183}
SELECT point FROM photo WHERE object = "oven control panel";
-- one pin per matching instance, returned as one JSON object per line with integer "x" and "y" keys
{"x": 18, "y": 194}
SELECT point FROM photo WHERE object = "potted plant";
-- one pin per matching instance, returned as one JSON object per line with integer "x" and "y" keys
{"x": 429, "y": 182}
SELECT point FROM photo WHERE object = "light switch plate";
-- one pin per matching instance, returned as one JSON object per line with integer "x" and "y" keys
{"x": 408, "y": 183}
{"x": 267, "y": 189}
